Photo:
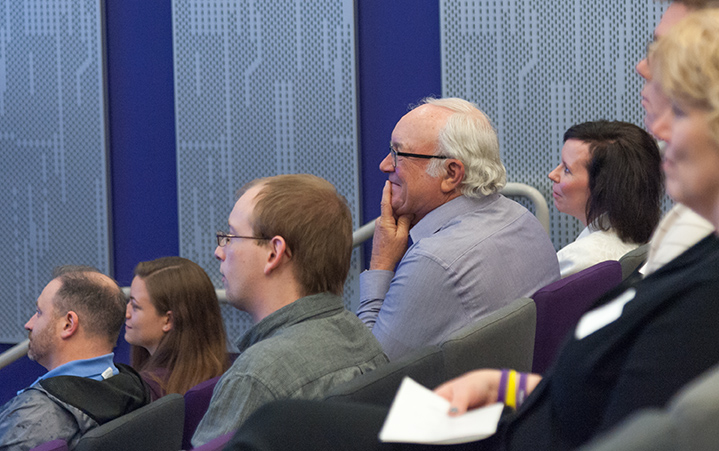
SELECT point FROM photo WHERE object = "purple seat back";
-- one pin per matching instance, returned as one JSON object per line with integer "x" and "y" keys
{"x": 197, "y": 400}
{"x": 217, "y": 443}
{"x": 561, "y": 304}
{"x": 54, "y": 445}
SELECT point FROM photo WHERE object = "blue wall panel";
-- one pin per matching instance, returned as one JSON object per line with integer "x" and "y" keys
{"x": 17, "y": 375}
{"x": 142, "y": 132}
{"x": 399, "y": 64}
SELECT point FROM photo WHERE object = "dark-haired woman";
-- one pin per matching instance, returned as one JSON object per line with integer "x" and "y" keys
{"x": 610, "y": 179}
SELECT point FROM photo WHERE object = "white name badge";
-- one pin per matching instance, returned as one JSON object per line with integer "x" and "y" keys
{"x": 595, "y": 319}
{"x": 107, "y": 374}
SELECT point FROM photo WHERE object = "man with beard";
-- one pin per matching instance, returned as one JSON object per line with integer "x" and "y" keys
{"x": 72, "y": 334}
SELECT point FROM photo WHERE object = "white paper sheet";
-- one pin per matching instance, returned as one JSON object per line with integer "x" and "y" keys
{"x": 418, "y": 415}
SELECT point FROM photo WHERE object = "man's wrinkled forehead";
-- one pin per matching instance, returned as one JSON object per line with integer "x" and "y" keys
{"x": 420, "y": 126}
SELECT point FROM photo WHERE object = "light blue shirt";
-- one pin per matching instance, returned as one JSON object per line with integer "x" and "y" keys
{"x": 469, "y": 257}
{"x": 97, "y": 368}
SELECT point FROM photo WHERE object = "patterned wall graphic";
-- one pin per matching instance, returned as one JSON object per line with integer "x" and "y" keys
{"x": 539, "y": 66}
{"x": 261, "y": 88}
{"x": 54, "y": 207}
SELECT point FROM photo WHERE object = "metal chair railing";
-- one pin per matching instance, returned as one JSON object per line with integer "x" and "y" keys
{"x": 362, "y": 234}
{"x": 16, "y": 352}
{"x": 541, "y": 210}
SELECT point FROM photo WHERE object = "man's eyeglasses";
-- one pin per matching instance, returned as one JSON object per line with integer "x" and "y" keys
{"x": 395, "y": 153}
{"x": 223, "y": 239}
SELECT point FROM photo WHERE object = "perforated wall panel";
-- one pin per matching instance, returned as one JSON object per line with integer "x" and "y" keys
{"x": 537, "y": 67}
{"x": 261, "y": 88}
{"x": 53, "y": 177}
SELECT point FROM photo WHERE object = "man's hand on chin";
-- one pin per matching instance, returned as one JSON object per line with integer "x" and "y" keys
{"x": 390, "y": 235}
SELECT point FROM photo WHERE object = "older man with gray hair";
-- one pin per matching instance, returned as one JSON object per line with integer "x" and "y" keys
{"x": 472, "y": 252}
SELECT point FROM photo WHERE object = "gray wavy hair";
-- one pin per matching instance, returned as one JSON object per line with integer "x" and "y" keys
{"x": 469, "y": 137}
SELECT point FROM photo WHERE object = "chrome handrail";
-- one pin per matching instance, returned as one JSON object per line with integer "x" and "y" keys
{"x": 541, "y": 209}
{"x": 359, "y": 236}
{"x": 362, "y": 234}
{"x": 16, "y": 352}
{"x": 20, "y": 350}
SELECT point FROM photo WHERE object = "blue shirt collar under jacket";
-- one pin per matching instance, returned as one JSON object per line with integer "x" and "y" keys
{"x": 97, "y": 368}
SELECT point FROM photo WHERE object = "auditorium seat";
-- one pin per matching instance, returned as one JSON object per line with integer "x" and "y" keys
{"x": 379, "y": 386}
{"x": 561, "y": 304}
{"x": 154, "y": 427}
{"x": 688, "y": 422}
{"x": 54, "y": 445}
{"x": 197, "y": 400}
{"x": 633, "y": 260}
{"x": 503, "y": 339}
{"x": 216, "y": 444}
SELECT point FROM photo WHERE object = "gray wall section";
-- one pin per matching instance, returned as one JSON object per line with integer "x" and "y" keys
{"x": 267, "y": 87}
{"x": 537, "y": 67}
{"x": 261, "y": 88}
{"x": 53, "y": 177}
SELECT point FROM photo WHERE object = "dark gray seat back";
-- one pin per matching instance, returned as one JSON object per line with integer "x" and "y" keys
{"x": 380, "y": 385}
{"x": 504, "y": 339}
{"x": 154, "y": 427}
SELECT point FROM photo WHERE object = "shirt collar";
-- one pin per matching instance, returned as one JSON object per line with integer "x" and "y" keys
{"x": 97, "y": 368}
{"x": 601, "y": 223}
{"x": 316, "y": 305}
{"x": 440, "y": 216}
{"x": 585, "y": 232}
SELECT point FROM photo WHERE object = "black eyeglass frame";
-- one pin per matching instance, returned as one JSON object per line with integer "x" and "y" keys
{"x": 395, "y": 153}
{"x": 223, "y": 238}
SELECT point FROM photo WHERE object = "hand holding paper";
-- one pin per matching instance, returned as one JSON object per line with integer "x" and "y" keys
{"x": 418, "y": 415}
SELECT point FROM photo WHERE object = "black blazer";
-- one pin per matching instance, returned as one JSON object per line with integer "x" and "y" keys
{"x": 666, "y": 336}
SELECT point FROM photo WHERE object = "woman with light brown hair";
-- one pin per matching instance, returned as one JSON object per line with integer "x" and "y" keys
{"x": 174, "y": 323}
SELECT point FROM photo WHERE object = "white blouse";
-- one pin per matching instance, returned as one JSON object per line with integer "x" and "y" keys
{"x": 592, "y": 246}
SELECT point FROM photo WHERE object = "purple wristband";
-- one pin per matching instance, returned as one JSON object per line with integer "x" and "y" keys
{"x": 522, "y": 391}
{"x": 504, "y": 378}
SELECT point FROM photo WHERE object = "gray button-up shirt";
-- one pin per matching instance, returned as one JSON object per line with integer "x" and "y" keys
{"x": 299, "y": 351}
